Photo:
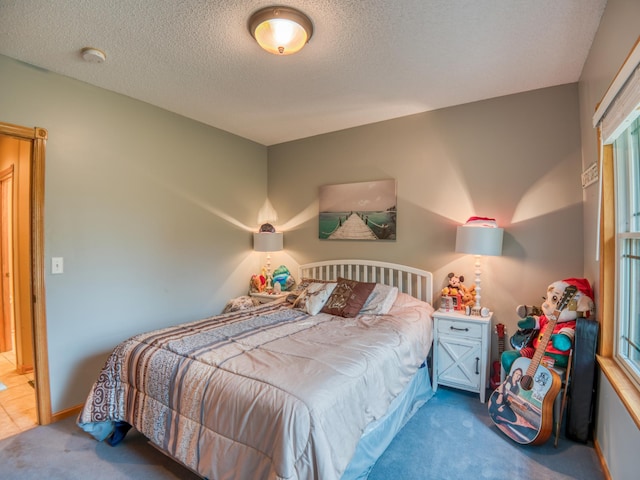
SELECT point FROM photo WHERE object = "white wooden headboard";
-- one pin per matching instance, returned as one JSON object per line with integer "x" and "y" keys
{"x": 413, "y": 281}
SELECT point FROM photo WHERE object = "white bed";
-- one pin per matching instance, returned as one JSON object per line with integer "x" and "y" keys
{"x": 275, "y": 392}
{"x": 413, "y": 281}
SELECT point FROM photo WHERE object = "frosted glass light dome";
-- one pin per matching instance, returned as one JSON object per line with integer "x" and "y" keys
{"x": 280, "y": 30}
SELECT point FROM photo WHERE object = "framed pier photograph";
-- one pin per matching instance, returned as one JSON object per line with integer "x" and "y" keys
{"x": 358, "y": 211}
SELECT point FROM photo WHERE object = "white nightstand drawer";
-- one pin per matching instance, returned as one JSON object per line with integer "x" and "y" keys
{"x": 458, "y": 328}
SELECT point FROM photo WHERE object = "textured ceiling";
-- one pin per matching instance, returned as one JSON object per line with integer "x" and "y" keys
{"x": 368, "y": 60}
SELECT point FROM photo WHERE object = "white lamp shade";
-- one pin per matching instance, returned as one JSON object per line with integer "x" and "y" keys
{"x": 479, "y": 240}
{"x": 267, "y": 241}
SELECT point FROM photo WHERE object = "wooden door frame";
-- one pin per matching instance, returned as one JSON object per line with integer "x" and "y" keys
{"x": 38, "y": 138}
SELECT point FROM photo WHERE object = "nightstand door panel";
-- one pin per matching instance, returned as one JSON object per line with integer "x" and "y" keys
{"x": 459, "y": 362}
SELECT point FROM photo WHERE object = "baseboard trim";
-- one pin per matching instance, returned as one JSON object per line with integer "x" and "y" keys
{"x": 23, "y": 370}
{"x": 603, "y": 462}
{"x": 61, "y": 415}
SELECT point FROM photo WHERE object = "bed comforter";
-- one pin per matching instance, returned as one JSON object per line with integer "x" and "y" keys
{"x": 269, "y": 393}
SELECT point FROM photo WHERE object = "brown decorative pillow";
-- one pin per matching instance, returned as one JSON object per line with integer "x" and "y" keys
{"x": 348, "y": 298}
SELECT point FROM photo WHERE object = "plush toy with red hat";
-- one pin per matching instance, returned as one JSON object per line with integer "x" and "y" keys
{"x": 564, "y": 331}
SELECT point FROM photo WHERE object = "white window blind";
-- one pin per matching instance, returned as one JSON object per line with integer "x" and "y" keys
{"x": 619, "y": 107}
{"x": 624, "y": 109}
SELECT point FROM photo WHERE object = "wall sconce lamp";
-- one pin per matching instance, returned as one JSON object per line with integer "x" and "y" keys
{"x": 268, "y": 240}
{"x": 479, "y": 236}
{"x": 280, "y": 30}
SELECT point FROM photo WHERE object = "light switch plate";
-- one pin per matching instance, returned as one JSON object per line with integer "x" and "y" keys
{"x": 57, "y": 265}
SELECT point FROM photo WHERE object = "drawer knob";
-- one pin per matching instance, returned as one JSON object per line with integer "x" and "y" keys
{"x": 459, "y": 329}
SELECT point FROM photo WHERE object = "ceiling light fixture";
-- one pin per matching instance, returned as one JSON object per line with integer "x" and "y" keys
{"x": 280, "y": 30}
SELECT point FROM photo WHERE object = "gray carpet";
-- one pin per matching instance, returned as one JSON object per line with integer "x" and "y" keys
{"x": 451, "y": 437}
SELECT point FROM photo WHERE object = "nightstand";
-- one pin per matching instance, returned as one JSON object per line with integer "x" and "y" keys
{"x": 268, "y": 297}
{"x": 462, "y": 345}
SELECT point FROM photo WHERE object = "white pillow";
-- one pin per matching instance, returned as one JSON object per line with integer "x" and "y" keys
{"x": 314, "y": 297}
{"x": 380, "y": 300}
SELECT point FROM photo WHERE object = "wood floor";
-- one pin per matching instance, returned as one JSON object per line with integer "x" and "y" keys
{"x": 18, "y": 400}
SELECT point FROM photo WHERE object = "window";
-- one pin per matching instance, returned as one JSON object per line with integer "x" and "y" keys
{"x": 627, "y": 209}
{"x": 619, "y": 237}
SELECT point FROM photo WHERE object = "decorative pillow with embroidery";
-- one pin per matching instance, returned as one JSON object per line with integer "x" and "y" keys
{"x": 380, "y": 301}
{"x": 240, "y": 303}
{"x": 313, "y": 298}
{"x": 348, "y": 297}
{"x": 304, "y": 283}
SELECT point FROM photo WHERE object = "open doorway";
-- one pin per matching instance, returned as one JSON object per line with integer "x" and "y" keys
{"x": 22, "y": 309}
{"x": 7, "y": 312}
{"x": 17, "y": 398}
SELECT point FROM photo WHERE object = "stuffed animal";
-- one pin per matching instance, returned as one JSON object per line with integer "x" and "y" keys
{"x": 525, "y": 311}
{"x": 257, "y": 283}
{"x": 561, "y": 339}
{"x": 468, "y": 295}
{"x": 453, "y": 287}
{"x": 283, "y": 277}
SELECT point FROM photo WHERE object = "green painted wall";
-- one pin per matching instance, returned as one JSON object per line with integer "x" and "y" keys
{"x": 514, "y": 158}
{"x": 150, "y": 211}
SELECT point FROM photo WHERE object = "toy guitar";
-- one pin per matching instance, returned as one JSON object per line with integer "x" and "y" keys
{"x": 495, "y": 375}
{"x": 522, "y": 406}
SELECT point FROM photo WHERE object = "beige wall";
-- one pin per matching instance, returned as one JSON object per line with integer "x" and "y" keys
{"x": 617, "y": 434}
{"x": 150, "y": 211}
{"x": 514, "y": 158}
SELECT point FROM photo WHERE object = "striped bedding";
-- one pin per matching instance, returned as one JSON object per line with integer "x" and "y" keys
{"x": 268, "y": 393}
